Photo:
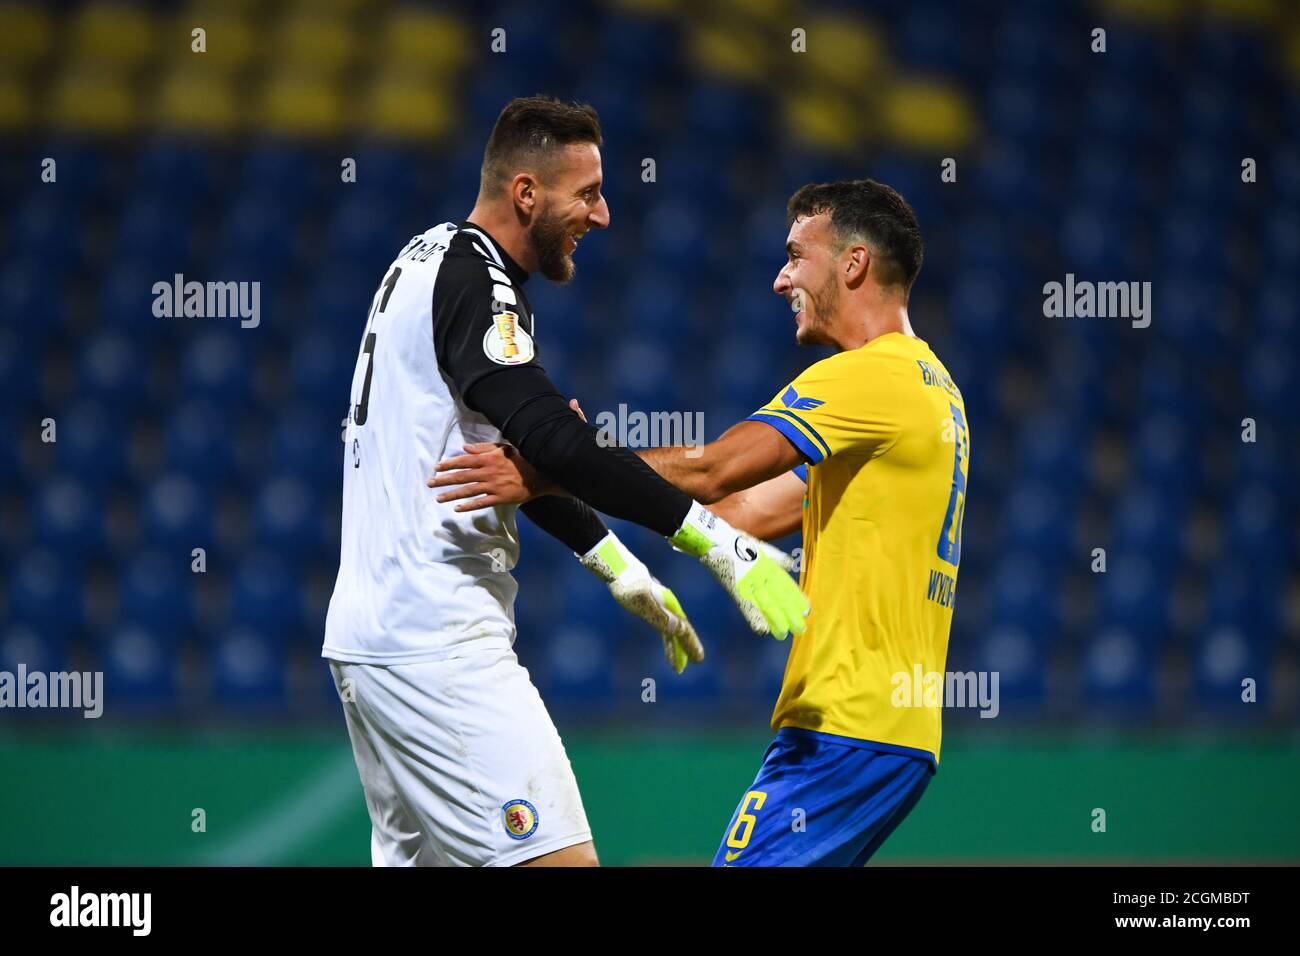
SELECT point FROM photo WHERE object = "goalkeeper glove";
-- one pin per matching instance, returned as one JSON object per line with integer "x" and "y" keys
{"x": 634, "y": 587}
{"x": 748, "y": 569}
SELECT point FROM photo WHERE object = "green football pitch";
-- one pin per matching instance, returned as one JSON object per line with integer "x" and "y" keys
{"x": 244, "y": 798}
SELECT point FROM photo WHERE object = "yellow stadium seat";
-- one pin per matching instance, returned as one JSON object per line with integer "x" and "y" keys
{"x": 94, "y": 100}
{"x": 16, "y": 107}
{"x": 825, "y": 117}
{"x": 231, "y": 41}
{"x": 26, "y": 34}
{"x": 195, "y": 99}
{"x": 313, "y": 42}
{"x": 432, "y": 43}
{"x": 398, "y": 107}
{"x": 300, "y": 104}
{"x": 338, "y": 6}
{"x": 768, "y": 12}
{"x": 846, "y": 52}
{"x": 732, "y": 49}
{"x": 924, "y": 114}
{"x": 114, "y": 35}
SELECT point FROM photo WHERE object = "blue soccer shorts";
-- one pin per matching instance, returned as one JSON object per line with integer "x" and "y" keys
{"x": 823, "y": 800}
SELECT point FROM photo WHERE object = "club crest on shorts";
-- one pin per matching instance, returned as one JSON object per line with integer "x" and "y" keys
{"x": 520, "y": 818}
{"x": 506, "y": 343}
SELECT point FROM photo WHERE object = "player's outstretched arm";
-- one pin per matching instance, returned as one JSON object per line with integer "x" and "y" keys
{"x": 748, "y": 454}
{"x": 771, "y": 509}
{"x": 630, "y": 582}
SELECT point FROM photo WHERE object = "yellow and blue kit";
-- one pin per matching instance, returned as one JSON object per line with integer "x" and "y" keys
{"x": 884, "y": 431}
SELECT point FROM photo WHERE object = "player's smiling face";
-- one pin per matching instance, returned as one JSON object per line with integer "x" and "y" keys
{"x": 571, "y": 204}
{"x": 808, "y": 281}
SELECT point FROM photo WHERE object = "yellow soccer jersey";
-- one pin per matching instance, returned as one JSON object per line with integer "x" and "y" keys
{"x": 884, "y": 430}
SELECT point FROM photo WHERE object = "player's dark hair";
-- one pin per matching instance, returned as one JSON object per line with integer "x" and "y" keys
{"x": 870, "y": 212}
{"x": 529, "y": 133}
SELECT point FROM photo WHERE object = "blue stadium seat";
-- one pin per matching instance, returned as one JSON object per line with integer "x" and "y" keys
{"x": 177, "y": 514}
{"x": 1224, "y": 659}
{"x": 44, "y": 595}
{"x": 1119, "y": 675}
{"x": 248, "y": 669}
{"x": 1017, "y": 653}
{"x": 198, "y": 436}
{"x": 156, "y": 591}
{"x": 1147, "y": 522}
{"x": 156, "y": 229}
{"x": 69, "y": 518}
{"x": 141, "y": 670}
{"x": 1134, "y": 598}
{"x": 288, "y": 516}
{"x": 111, "y": 371}
{"x": 89, "y": 445}
{"x": 264, "y": 595}
{"x": 1024, "y": 597}
{"x": 307, "y": 438}
{"x": 23, "y": 644}
{"x": 216, "y": 366}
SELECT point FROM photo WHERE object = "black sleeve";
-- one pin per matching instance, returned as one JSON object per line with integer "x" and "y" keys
{"x": 485, "y": 347}
{"x": 568, "y": 520}
{"x": 536, "y": 419}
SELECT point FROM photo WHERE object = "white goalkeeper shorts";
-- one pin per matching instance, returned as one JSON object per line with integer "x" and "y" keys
{"x": 460, "y": 762}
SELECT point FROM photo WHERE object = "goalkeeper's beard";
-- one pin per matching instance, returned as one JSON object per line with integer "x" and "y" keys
{"x": 547, "y": 239}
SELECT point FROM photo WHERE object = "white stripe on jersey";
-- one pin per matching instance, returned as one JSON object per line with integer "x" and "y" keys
{"x": 496, "y": 256}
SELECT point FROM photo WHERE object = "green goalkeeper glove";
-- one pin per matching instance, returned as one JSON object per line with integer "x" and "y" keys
{"x": 634, "y": 587}
{"x": 751, "y": 571}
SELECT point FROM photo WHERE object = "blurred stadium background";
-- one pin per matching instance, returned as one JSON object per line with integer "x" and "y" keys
{"x": 1119, "y": 690}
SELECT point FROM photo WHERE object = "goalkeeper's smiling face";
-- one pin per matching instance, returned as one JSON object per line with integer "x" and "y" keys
{"x": 809, "y": 280}
{"x": 570, "y": 203}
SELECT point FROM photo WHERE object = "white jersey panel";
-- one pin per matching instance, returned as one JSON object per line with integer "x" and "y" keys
{"x": 416, "y": 579}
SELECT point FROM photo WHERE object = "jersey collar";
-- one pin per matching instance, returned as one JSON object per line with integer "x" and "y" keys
{"x": 495, "y": 251}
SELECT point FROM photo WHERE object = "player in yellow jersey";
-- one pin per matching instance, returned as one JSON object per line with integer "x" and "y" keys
{"x": 868, "y": 452}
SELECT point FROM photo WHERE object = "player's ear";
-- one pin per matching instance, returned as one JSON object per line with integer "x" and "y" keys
{"x": 855, "y": 263}
{"x": 523, "y": 191}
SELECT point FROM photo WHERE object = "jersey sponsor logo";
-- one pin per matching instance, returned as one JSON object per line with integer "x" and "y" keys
{"x": 791, "y": 399}
{"x": 506, "y": 343}
{"x": 520, "y": 818}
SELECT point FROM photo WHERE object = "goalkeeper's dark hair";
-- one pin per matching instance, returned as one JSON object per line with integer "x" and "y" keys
{"x": 866, "y": 211}
{"x": 530, "y": 134}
